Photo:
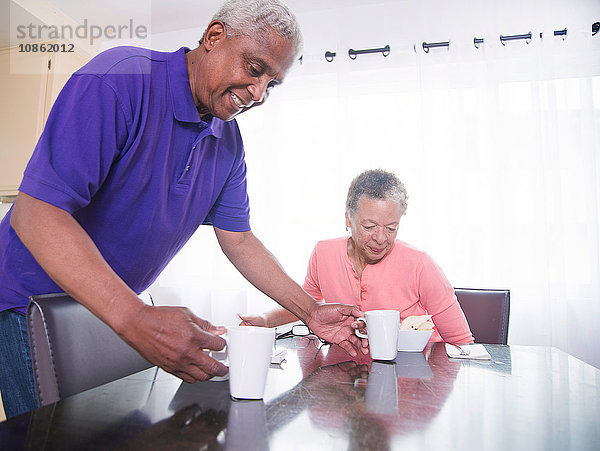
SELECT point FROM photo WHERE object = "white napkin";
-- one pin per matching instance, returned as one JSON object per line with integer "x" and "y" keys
{"x": 473, "y": 351}
{"x": 277, "y": 357}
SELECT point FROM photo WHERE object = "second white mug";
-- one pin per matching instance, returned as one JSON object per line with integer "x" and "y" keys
{"x": 382, "y": 333}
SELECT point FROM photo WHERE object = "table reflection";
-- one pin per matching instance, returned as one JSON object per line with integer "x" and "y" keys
{"x": 189, "y": 427}
{"x": 322, "y": 398}
{"x": 247, "y": 426}
{"x": 368, "y": 400}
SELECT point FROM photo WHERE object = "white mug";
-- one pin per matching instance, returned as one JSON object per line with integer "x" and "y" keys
{"x": 249, "y": 350}
{"x": 382, "y": 333}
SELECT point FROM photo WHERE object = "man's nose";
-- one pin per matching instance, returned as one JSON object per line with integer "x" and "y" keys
{"x": 259, "y": 89}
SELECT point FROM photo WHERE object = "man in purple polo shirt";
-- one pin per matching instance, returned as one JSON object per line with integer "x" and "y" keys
{"x": 141, "y": 147}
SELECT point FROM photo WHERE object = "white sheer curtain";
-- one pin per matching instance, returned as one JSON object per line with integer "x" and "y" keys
{"x": 498, "y": 148}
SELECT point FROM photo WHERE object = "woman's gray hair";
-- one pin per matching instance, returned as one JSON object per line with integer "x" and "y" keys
{"x": 376, "y": 184}
{"x": 254, "y": 18}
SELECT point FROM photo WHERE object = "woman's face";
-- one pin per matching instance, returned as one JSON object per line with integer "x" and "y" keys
{"x": 374, "y": 228}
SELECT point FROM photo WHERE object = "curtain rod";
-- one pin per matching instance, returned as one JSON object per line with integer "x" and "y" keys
{"x": 385, "y": 51}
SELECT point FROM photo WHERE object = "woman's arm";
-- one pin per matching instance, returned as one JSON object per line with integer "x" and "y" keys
{"x": 273, "y": 318}
{"x": 438, "y": 298}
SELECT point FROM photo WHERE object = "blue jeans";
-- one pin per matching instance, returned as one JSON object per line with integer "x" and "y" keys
{"x": 16, "y": 374}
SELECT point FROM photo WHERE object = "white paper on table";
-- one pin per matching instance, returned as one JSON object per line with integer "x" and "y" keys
{"x": 472, "y": 351}
{"x": 278, "y": 356}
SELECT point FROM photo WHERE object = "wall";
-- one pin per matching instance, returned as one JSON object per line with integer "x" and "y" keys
{"x": 29, "y": 83}
{"x": 496, "y": 147}
{"x": 4, "y": 207}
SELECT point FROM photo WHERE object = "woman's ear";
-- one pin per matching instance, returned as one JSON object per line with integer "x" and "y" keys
{"x": 214, "y": 33}
{"x": 347, "y": 221}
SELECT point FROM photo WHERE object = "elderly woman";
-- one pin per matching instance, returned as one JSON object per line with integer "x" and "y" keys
{"x": 373, "y": 270}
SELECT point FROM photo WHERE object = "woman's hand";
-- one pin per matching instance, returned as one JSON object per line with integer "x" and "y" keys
{"x": 254, "y": 320}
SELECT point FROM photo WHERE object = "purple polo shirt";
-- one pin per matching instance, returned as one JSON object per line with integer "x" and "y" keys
{"x": 125, "y": 152}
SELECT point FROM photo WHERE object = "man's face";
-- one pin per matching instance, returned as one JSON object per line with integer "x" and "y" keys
{"x": 236, "y": 73}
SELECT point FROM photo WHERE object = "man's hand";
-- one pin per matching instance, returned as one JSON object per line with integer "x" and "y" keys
{"x": 335, "y": 323}
{"x": 175, "y": 339}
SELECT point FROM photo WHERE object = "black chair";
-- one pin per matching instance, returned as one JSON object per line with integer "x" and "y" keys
{"x": 72, "y": 350}
{"x": 487, "y": 313}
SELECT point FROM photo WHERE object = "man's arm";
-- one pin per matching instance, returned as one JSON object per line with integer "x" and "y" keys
{"x": 334, "y": 323}
{"x": 170, "y": 337}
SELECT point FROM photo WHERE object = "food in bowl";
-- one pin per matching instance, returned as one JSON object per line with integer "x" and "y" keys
{"x": 415, "y": 332}
{"x": 417, "y": 322}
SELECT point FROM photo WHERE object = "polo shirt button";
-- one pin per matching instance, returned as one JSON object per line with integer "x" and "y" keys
{"x": 187, "y": 168}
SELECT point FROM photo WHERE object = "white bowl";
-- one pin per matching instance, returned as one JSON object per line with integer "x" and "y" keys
{"x": 413, "y": 340}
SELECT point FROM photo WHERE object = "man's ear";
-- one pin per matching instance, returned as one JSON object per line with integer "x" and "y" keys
{"x": 214, "y": 33}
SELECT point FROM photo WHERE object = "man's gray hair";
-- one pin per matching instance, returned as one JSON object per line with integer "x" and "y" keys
{"x": 376, "y": 184}
{"x": 254, "y": 18}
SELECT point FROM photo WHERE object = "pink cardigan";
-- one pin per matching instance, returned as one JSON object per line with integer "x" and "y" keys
{"x": 406, "y": 279}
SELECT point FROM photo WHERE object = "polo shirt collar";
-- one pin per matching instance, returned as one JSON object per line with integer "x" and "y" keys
{"x": 184, "y": 108}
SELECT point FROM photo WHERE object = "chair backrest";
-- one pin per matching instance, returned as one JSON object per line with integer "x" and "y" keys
{"x": 72, "y": 350}
{"x": 487, "y": 313}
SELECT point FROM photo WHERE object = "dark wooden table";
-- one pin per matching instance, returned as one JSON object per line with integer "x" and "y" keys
{"x": 533, "y": 398}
